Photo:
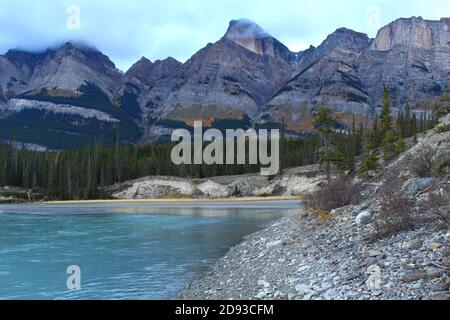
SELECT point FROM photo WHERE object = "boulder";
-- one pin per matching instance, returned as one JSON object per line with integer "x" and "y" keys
{"x": 363, "y": 218}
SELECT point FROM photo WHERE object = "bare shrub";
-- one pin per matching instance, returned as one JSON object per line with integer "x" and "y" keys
{"x": 428, "y": 163}
{"x": 436, "y": 207}
{"x": 395, "y": 209}
{"x": 338, "y": 193}
{"x": 421, "y": 165}
{"x": 444, "y": 166}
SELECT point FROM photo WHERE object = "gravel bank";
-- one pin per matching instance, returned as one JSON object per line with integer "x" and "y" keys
{"x": 298, "y": 258}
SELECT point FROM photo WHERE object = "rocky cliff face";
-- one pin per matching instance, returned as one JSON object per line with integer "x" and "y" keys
{"x": 244, "y": 79}
{"x": 411, "y": 57}
{"x": 414, "y": 32}
{"x": 348, "y": 71}
{"x": 329, "y": 75}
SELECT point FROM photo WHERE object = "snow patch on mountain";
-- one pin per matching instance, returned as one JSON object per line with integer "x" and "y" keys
{"x": 18, "y": 105}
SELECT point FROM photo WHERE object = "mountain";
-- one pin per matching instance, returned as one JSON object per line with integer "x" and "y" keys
{"x": 224, "y": 83}
{"x": 63, "y": 97}
{"x": 247, "y": 78}
{"x": 330, "y": 75}
{"x": 348, "y": 71}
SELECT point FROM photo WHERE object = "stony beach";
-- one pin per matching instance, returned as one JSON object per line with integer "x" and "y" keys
{"x": 300, "y": 258}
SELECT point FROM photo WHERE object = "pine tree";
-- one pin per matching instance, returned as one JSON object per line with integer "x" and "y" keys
{"x": 386, "y": 117}
{"x": 407, "y": 122}
{"x": 389, "y": 147}
{"x": 443, "y": 105}
{"x": 400, "y": 144}
{"x": 414, "y": 127}
{"x": 388, "y": 144}
{"x": 323, "y": 122}
{"x": 370, "y": 159}
{"x": 282, "y": 145}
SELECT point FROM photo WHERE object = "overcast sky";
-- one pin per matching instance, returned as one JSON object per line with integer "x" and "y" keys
{"x": 125, "y": 30}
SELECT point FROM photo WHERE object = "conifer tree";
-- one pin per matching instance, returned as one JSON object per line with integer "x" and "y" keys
{"x": 370, "y": 159}
{"x": 400, "y": 144}
{"x": 323, "y": 122}
{"x": 386, "y": 117}
{"x": 388, "y": 144}
{"x": 389, "y": 147}
{"x": 407, "y": 122}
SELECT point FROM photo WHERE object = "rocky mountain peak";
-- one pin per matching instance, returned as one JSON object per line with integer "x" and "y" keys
{"x": 22, "y": 58}
{"x": 244, "y": 29}
{"x": 412, "y": 32}
{"x": 252, "y": 37}
{"x": 140, "y": 68}
{"x": 68, "y": 46}
{"x": 344, "y": 39}
{"x": 72, "y": 46}
{"x": 149, "y": 72}
{"x": 169, "y": 60}
{"x": 88, "y": 55}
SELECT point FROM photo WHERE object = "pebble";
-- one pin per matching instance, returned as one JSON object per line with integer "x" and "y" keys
{"x": 374, "y": 253}
{"x": 273, "y": 244}
{"x": 263, "y": 283}
{"x": 434, "y": 246}
{"x": 302, "y": 288}
{"x": 413, "y": 276}
{"x": 261, "y": 295}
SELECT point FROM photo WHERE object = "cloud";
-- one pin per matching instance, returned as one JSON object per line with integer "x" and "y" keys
{"x": 125, "y": 30}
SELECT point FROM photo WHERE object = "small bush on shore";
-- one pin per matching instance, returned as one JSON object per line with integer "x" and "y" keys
{"x": 436, "y": 207}
{"x": 338, "y": 193}
{"x": 396, "y": 209}
{"x": 421, "y": 165}
{"x": 428, "y": 163}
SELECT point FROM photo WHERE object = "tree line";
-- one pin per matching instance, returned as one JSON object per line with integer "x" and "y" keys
{"x": 366, "y": 148}
{"x": 83, "y": 173}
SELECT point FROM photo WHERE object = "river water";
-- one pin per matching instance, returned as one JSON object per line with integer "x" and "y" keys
{"x": 122, "y": 250}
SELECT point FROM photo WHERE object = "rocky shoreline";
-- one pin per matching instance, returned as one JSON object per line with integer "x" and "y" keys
{"x": 300, "y": 258}
{"x": 393, "y": 243}
{"x": 297, "y": 182}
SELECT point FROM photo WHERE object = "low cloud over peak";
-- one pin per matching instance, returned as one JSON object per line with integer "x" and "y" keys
{"x": 127, "y": 30}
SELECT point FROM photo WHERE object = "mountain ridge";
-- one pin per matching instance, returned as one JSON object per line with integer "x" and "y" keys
{"x": 244, "y": 79}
